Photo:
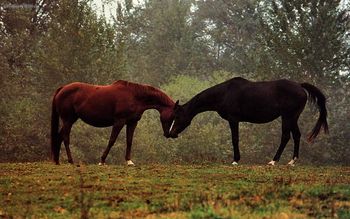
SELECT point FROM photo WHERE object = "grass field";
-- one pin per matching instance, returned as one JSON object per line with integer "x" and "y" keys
{"x": 43, "y": 190}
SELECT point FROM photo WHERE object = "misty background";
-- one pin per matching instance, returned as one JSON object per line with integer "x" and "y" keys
{"x": 181, "y": 47}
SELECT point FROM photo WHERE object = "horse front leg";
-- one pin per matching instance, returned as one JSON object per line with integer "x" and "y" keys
{"x": 117, "y": 127}
{"x": 234, "y": 126}
{"x": 130, "y": 128}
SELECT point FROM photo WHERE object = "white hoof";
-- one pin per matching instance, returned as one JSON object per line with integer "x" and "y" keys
{"x": 101, "y": 164}
{"x": 234, "y": 163}
{"x": 272, "y": 163}
{"x": 292, "y": 162}
{"x": 130, "y": 163}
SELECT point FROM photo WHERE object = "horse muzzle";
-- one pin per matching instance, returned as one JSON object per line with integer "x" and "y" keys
{"x": 173, "y": 135}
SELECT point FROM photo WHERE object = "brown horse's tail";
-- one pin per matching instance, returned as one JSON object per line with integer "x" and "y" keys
{"x": 317, "y": 97}
{"x": 55, "y": 147}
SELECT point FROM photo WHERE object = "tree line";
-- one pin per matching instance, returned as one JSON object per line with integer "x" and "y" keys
{"x": 182, "y": 47}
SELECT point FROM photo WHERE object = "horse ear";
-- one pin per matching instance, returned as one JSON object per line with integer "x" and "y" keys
{"x": 176, "y": 106}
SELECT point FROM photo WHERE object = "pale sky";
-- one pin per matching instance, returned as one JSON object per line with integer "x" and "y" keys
{"x": 110, "y": 6}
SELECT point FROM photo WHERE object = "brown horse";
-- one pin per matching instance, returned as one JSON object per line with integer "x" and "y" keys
{"x": 121, "y": 103}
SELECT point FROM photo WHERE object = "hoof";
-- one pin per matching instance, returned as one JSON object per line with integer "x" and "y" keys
{"x": 234, "y": 163}
{"x": 130, "y": 163}
{"x": 271, "y": 163}
{"x": 101, "y": 164}
{"x": 292, "y": 162}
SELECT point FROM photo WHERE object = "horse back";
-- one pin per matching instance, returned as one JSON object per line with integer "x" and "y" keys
{"x": 78, "y": 91}
{"x": 263, "y": 101}
{"x": 97, "y": 105}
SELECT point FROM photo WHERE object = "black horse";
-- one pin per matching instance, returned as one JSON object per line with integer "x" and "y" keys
{"x": 240, "y": 100}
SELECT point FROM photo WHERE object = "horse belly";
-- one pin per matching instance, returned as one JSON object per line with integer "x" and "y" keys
{"x": 96, "y": 116}
{"x": 97, "y": 122}
{"x": 260, "y": 119}
{"x": 259, "y": 114}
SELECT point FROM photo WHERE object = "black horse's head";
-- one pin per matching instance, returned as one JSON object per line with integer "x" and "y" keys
{"x": 181, "y": 121}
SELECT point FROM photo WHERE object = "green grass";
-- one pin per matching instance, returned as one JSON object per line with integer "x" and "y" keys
{"x": 43, "y": 190}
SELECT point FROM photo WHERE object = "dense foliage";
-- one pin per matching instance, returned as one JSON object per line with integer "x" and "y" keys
{"x": 182, "y": 47}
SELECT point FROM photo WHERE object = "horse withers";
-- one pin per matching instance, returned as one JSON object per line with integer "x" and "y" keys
{"x": 240, "y": 100}
{"x": 121, "y": 103}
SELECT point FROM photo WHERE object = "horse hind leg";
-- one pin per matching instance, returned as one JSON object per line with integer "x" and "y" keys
{"x": 284, "y": 140}
{"x": 65, "y": 131}
{"x": 296, "y": 137}
{"x": 59, "y": 143}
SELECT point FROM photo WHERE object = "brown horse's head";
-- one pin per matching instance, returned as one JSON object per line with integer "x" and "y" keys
{"x": 167, "y": 118}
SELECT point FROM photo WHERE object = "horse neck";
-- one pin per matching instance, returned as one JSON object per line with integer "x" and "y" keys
{"x": 155, "y": 99}
{"x": 202, "y": 102}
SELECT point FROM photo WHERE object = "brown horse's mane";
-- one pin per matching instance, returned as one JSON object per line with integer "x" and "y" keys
{"x": 142, "y": 89}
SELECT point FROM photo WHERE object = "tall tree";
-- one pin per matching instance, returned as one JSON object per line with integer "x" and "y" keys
{"x": 231, "y": 28}
{"x": 168, "y": 42}
{"x": 81, "y": 46}
{"x": 305, "y": 38}
{"x": 22, "y": 22}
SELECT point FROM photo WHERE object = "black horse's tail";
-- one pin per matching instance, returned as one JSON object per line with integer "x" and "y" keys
{"x": 317, "y": 97}
{"x": 55, "y": 147}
